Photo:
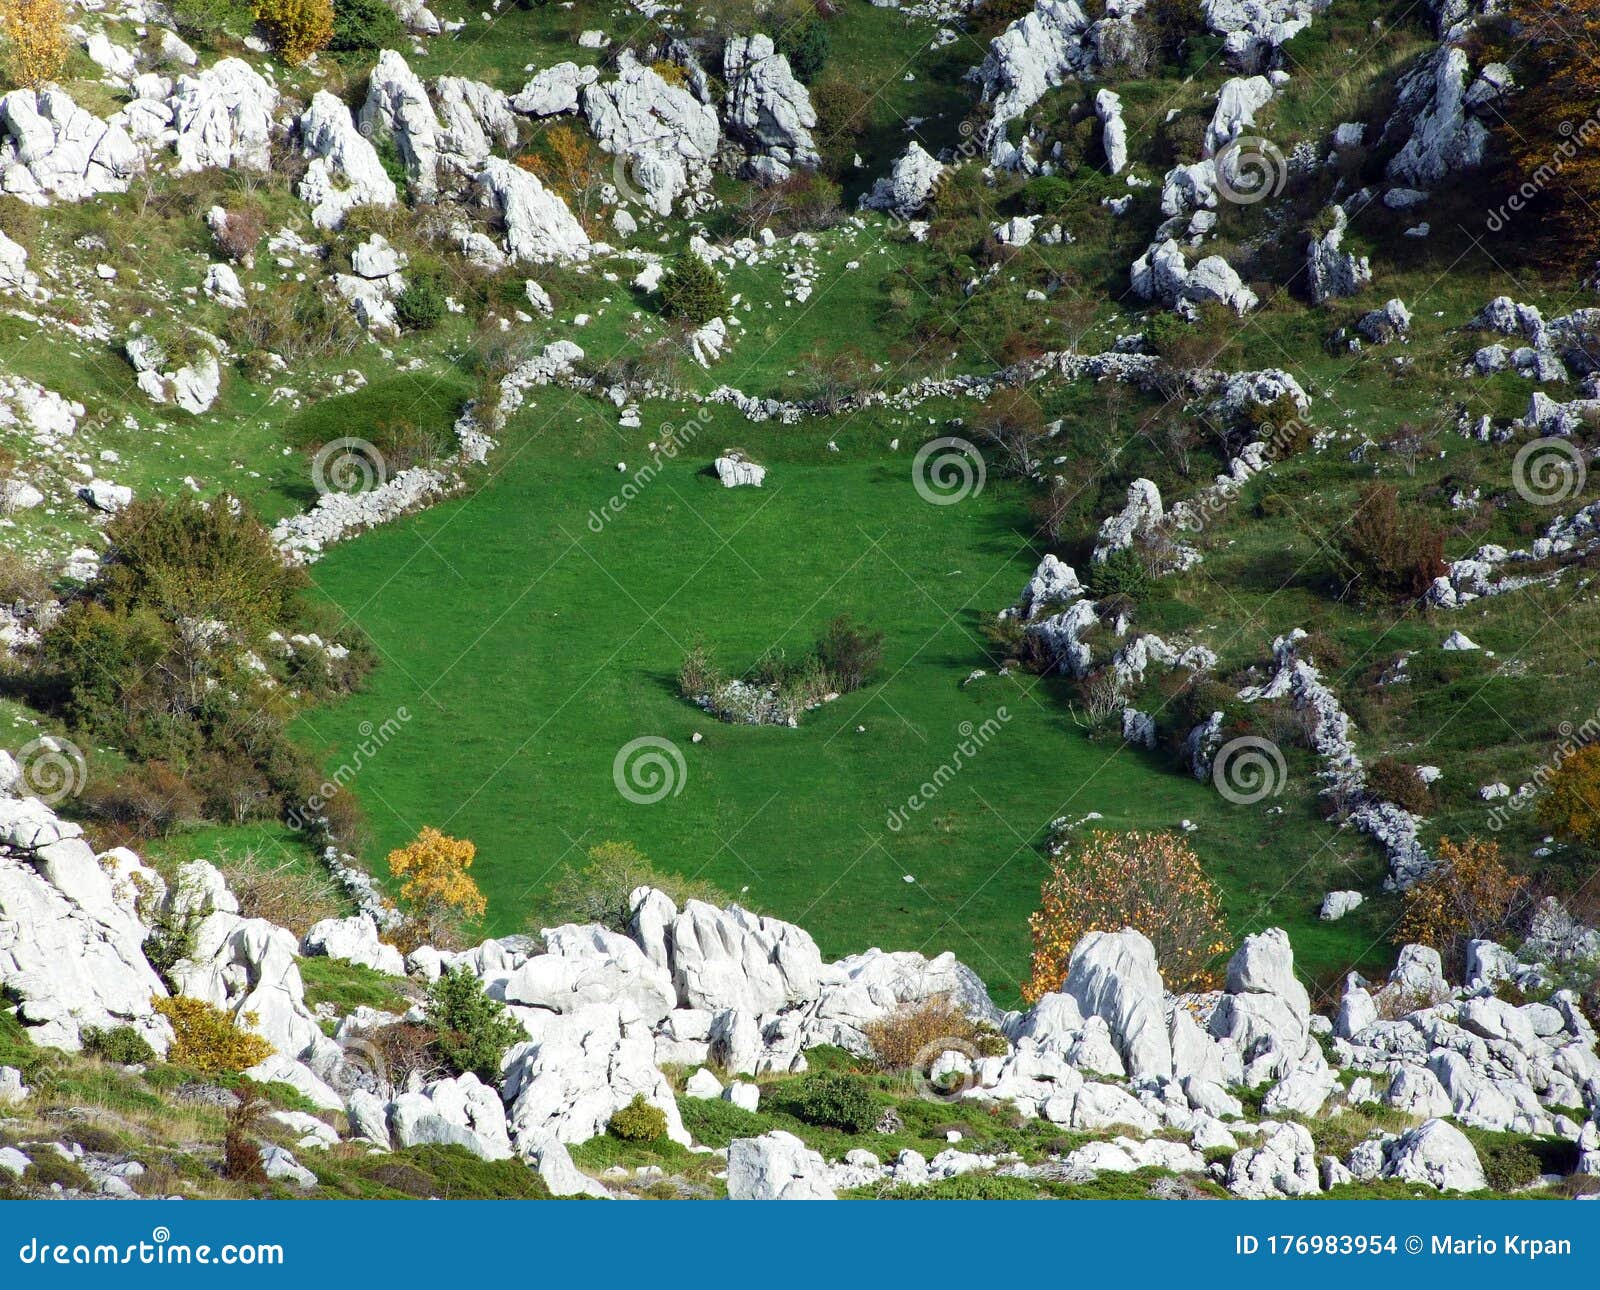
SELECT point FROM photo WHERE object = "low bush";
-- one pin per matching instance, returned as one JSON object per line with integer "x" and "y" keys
{"x": 692, "y": 290}
{"x": 120, "y": 1044}
{"x": 598, "y": 893}
{"x": 363, "y": 27}
{"x": 241, "y": 1152}
{"x": 421, "y": 306}
{"x": 913, "y": 1033}
{"x": 1389, "y": 550}
{"x": 1122, "y": 573}
{"x": 471, "y": 1031}
{"x": 297, "y": 28}
{"x": 209, "y": 1040}
{"x": 832, "y": 1100}
{"x": 1393, "y": 780}
{"x": 282, "y": 893}
{"x": 638, "y": 1121}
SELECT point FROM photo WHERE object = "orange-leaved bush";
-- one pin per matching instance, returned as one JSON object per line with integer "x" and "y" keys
{"x": 1547, "y": 126}
{"x": 438, "y": 890}
{"x": 1469, "y": 893}
{"x": 1151, "y": 882}
{"x": 36, "y": 41}
{"x": 1571, "y": 804}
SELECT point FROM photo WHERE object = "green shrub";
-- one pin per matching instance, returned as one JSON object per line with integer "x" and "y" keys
{"x": 364, "y": 27}
{"x": 421, "y": 306}
{"x": 208, "y": 19}
{"x": 121, "y": 1044}
{"x": 1122, "y": 573}
{"x": 806, "y": 46}
{"x": 1508, "y": 1162}
{"x": 471, "y": 1030}
{"x": 692, "y": 290}
{"x": 833, "y": 1100}
{"x": 638, "y": 1121}
{"x": 850, "y": 653}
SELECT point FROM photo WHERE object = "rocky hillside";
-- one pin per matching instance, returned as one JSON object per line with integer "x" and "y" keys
{"x": 1000, "y": 416}
{"x": 709, "y": 1051}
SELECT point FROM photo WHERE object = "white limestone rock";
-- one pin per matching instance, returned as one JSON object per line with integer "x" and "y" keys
{"x": 354, "y": 940}
{"x": 668, "y": 136}
{"x": 222, "y": 117}
{"x": 52, "y": 148}
{"x": 909, "y": 185}
{"x": 344, "y": 170}
{"x": 776, "y": 1166}
{"x": 767, "y": 109}
{"x": 539, "y": 228}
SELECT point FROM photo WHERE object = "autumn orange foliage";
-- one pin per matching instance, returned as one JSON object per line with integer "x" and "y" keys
{"x": 1469, "y": 893}
{"x": 1151, "y": 882}
{"x": 569, "y": 162}
{"x": 1571, "y": 806}
{"x": 1549, "y": 129}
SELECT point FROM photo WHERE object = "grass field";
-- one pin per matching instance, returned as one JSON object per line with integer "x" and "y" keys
{"x": 528, "y": 649}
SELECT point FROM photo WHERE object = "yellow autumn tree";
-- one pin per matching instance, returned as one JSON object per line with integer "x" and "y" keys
{"x": 298, "y": 28}
{"x": 1151, "y": 882}
{"x": 569, "y": 161}
{"x": 36, "y": 43}
{"x": 1469, "y": 893}
{"x": 438, "y": 889}
{"x": 1571, "y": 806}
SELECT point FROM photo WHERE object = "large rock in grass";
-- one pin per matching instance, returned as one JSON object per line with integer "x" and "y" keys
{"x": 52, "y": 148}
{"x": 1113, "y": 975}
{"x": 909, "y": 185}
{"x": 666, "y": 137}
{"x": 579, "y": 1069}
{"x": 539, "y": 229}
{"x": 776, "y": 1166}
{"x": 1265, "y": 1016}
{"x": 223, "y": 118}
{"x": 1438, "y": 1154}
{"x": 71, "y": 940}
{"x": 767, "y": 109}
{"x": 344, "y": 171}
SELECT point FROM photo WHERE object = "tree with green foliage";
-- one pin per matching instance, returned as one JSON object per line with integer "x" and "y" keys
{"x": 692, "y": 290}
{"x": 806, "y": 45}
{"x": 421, "y": 306}
{"x": 471, "y": 1031}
